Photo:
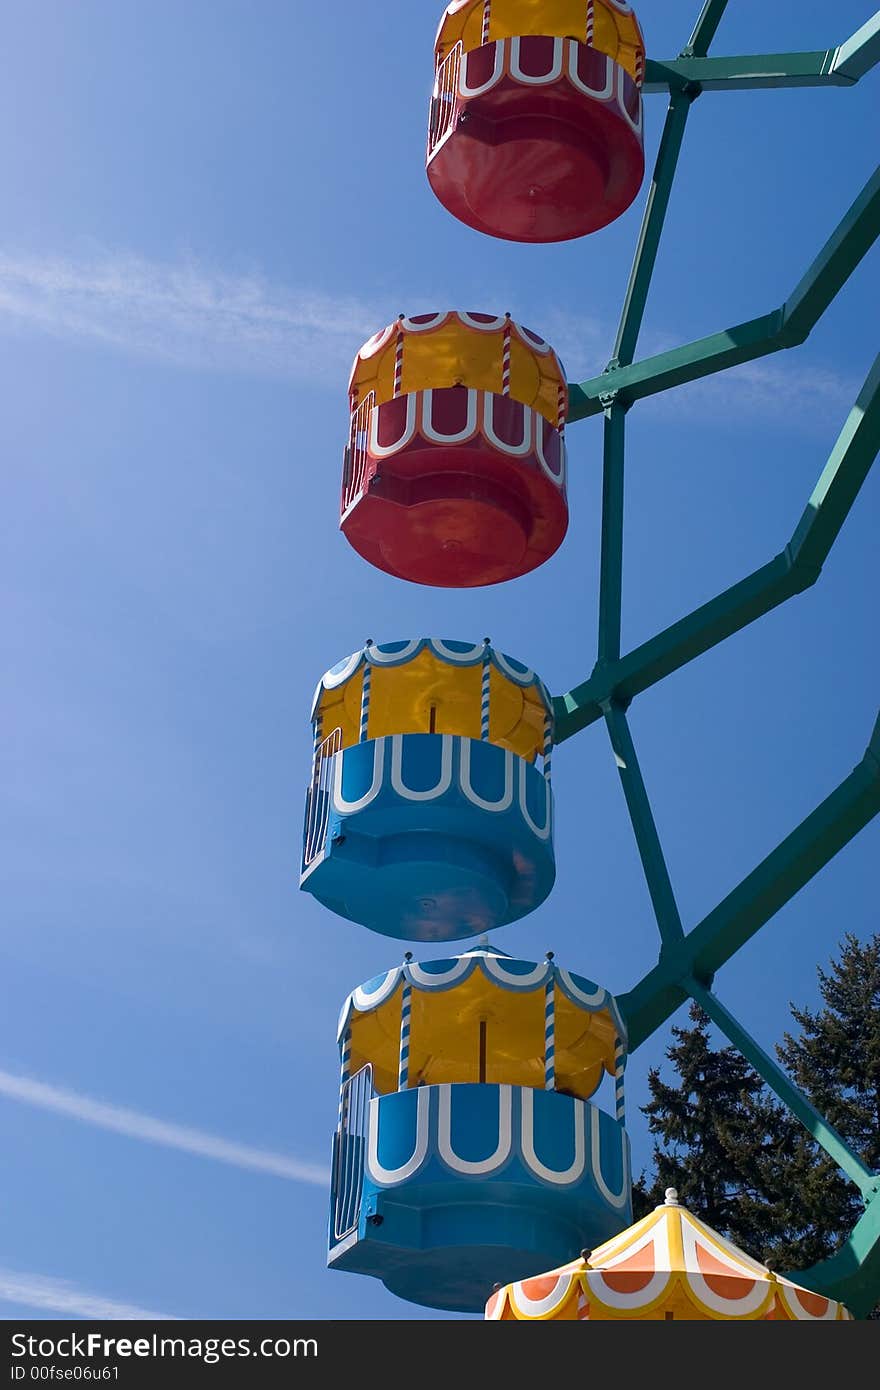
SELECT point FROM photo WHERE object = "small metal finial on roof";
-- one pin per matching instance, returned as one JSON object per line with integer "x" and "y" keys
{"x": 672, "y": 1197}
{"x": 487, "y": 641}
{"x": 407, "y": 955}
{"x": 484, "y": 940}
{"x": 550, "y": 954}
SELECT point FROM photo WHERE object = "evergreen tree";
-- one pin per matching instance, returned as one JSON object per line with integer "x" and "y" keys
{"x": 738, "y": 1158}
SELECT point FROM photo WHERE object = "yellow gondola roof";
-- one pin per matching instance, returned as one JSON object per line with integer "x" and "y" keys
{"x": 669, "y": 1265}
{"x": 616, "y": 30}
{"x": 432, "y": 684}
{"x": 451, "y": 998}
{"x": 457, "y": 347}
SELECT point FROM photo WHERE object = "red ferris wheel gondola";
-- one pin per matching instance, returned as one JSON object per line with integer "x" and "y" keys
{"x": 535, "y": 129}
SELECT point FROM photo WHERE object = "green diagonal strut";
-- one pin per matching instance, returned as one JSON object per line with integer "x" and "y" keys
{"x": 795, "y": 569}
{"x": 786, "y": 327}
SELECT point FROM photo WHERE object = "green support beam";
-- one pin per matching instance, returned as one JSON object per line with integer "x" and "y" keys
{"x": 824, "y": 67}
{"x": 705, "y": 28}
{"x": 644, "y": 828}
{"x": 759, "y": 897}
{"x": 794, "y": 570}
{"x": 814, "y": 69}
{"x": 782, "y": 328}
{"x": 653, "y": 222}
{"x": 611, "y": 567}
{"x": 824, "y": 1134}
{"x": 852, "y": 1275}
{"x": 860, "y": 53}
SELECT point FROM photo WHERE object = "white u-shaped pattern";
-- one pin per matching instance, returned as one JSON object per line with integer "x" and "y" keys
{"x": 655, "y": 1285}
{"x": 539, "y": 1307}
{"x": 592, "y": 1001}
{"x": 506, "y": 799}
{"x": 470, "y": 424}
{"x": 397, "y": 782}
{"x": 491, "y": 327}
{"x": 753, "y": 1299}
{"x": 493, "y": 968}
{"x": 519, "y": 675}
{"x": 474, "y": 1167}
{"x": 388, "y": 1177}
{"x": 541, "y": 832}
{"x": 348, "y": 808}
{"x": 558, "y": 479}
{"x": 365, "y": 1001}
{"x": 575, "y": 1170}
{"x": 465, "y": 89}
{"x": 577, "y": 81}
{"x": 622, "y": 75}
{"x": 516, "y": 450}
{"x": 380, "y": 657}
{"x": 517, "y": 73}
{"x": 615, "y": 1199}
{"x": 468, "y": 658}
{"x": 432, "y": 979}
{"x": 382, "y": 451}
{"x": 433, "y": 321}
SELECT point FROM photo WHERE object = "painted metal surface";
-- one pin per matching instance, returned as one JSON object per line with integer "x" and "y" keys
{"x": 468, "y": 1184}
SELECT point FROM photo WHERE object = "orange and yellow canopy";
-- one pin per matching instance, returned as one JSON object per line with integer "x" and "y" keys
{"x": 668, "y": 1266}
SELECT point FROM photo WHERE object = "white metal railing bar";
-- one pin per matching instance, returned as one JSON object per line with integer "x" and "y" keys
{"x": 357, "y": 455}
{"x": 318, "y": 797}
{"x": 351, "y": 1146}
{"x": 444, "y": 97}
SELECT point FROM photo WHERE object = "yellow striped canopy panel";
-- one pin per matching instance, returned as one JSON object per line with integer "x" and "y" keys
{"x": 434, "y": 685}
{"x": 480, "y": 1016}
{"x": 667, "y": 1267}
{"x": 616, "y": 31}
{"x": 459, "y": 348}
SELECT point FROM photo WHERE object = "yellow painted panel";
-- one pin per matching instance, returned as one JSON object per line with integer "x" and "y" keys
{"x": 445, "y": 1039}
{"x": 617, "y": 34}
{"x": 428, "y": 695}
{"x": 454, "y": 354}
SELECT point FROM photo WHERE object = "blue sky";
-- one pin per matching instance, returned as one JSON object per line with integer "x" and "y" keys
{"x": 207, "y": 208}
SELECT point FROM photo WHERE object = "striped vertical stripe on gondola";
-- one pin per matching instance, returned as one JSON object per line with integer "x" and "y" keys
{"x": 485, "y": 691}
{"x": 365, "y": 697}
{"x": 505, "y": 358}
{"x": 550, "y": 1034}
{"x": 640, "y": 67}
{"x": 405, "y": 1011}
{"x": 487, "y": 19}
{"x": 548, "y": 744}
{"x": 561, "y": 406}
{"x": 344, "y": 1071}
{"x": 591, "y": 21}
{"x": 619, "y": 1069}
{"x": 398, "y": 360}
{"x": 317, "y": 725}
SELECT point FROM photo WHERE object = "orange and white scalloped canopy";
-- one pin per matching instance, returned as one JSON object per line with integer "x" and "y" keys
{"x": 670, "y": 1265}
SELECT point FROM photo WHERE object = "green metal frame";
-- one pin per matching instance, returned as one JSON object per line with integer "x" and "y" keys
{"x": 688, "y": 962}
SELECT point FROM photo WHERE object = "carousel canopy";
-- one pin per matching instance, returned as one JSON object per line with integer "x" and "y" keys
{"x": 616, "y": 30}
{"x": 670, "y": 1265}
{"x": 450, "y": 999}
{"x": 460, "y": 348}
{"x": 434, "y": 685}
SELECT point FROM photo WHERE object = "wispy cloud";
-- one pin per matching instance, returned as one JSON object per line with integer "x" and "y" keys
{"x": 195, "y": 317}
{"x": 186, "y": 314}
{"x": 135, "y": 1125}
{"x": 57, "y": 1296}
